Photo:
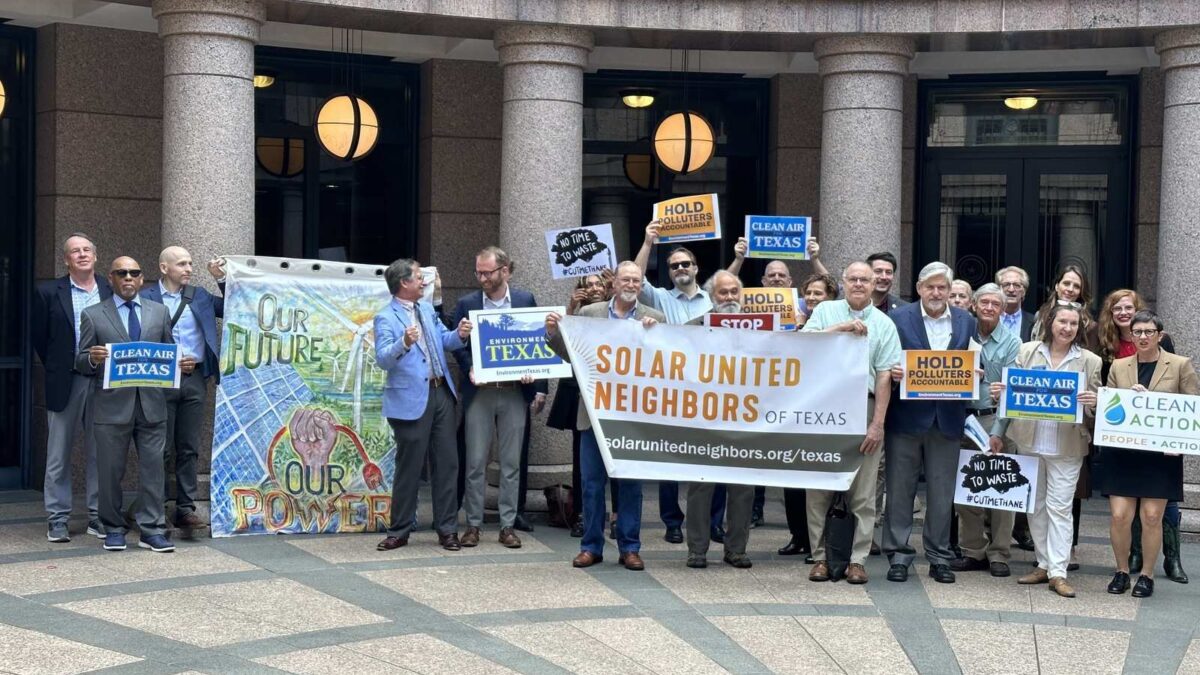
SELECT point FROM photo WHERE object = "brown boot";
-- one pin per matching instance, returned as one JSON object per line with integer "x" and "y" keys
{"x": 1037, "y": 576}
{"x": 509, "y": 538}
{"x": 470, "y": 537}
{"x": 1059, "y": 585}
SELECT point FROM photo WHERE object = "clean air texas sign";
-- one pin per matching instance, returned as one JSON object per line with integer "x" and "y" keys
{"x": 1148, "y": 421}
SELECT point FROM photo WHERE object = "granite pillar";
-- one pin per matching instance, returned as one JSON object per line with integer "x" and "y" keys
{"x": 861, "y": 138}
{"x": 1179, "y": 201}
{"x": 208, "y": 125}
{"x": 541, "y": 182}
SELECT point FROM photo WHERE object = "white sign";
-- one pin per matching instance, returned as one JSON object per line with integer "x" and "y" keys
{"x": 428, "y": 276}
{"x": 508, "y": 344}
{"x": 580, "y": 251}
{"x": 1148, "y": 420}
{"x": 996, "y": 481}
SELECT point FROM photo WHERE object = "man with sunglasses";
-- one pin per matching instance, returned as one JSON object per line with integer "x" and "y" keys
{"x": 132, "y": 413}
{"x": 502, "y": 409}
{"x": 57, "y": 307}
{"x": 685, "y": 301}
{"x": 194, "y": 313}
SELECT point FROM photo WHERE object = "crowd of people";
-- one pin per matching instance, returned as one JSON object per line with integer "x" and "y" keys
{"x": 451, "y": 424}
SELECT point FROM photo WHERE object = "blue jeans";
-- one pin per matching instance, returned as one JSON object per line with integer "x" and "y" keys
{"x": 629, "y": 509}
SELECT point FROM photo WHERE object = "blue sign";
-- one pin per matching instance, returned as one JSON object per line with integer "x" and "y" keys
{"x": 142, "y": 364}
{"x": 509, "y": 344}
{"x": 1038, "y": 394}
{"x": 781, "y": 237}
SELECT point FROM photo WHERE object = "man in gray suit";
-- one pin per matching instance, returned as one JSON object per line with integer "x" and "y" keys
{"x": 137, "y": 413}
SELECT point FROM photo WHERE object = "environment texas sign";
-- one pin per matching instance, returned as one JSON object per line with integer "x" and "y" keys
{"x": 1148, "y": 421}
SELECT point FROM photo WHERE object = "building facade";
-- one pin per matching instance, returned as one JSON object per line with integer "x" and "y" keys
{"x": 895, "y": 126}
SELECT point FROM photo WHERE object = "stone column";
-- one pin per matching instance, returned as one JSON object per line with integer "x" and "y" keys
{"x": 861, "y": 137}
{"x": 1178, "y": 245}
{"x": 208, "y": 125}
{"x": 541, "y": 183}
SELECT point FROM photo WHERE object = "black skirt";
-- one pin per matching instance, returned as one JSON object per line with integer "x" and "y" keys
{"x": 1140, "y": 473}
{"x": 565, "y": 408}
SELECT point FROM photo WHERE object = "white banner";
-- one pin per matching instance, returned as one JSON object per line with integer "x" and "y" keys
{"x": 994, "y": 481}
{"x": 701, "y": 404}
{"x": 1148, "y": 421}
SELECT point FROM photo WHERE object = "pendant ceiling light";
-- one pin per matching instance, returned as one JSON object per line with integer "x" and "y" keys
{"x": 282, "y": 157}
{"x": 684, "y": 141}
{"x": 1021, "y": 102}
{"x": 3, "y": 97}
{"x": 346, "y": 125}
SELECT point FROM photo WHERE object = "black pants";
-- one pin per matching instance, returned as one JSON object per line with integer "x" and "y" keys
{"x": 795, "y": 505}
{"x": 432, "y": 435}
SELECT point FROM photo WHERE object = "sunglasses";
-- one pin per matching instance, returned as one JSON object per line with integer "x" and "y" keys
{"x": 681, "y": 265}
{"x": 128, "y": 273}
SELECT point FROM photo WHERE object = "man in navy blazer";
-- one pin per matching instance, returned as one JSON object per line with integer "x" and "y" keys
{"x": 193, "y": 312}
{"x": 57, "y": 306}
{"x": 501, "y": 409}
{"x": 1014, "y": 282}
{"x": 419, "y": 402}
{"x": 925, "y": 434}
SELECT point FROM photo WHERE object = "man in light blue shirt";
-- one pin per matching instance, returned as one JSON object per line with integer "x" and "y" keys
{"x": 985, "y": 535}
{"x": 857, "y": 314}
{"x": 682, "y": 303}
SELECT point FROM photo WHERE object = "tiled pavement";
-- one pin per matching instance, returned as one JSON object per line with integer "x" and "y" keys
{"x": 332, "y": 604}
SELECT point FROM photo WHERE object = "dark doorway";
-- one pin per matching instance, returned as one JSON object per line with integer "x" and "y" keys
{"x": 1038, "y": 187}
{"x": 622, "y": 180}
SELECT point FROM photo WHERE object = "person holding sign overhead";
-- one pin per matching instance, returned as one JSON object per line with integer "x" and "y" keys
{"x": 624, "y": 306}
{"x": 925, "y": 434}
{"x": 132, "y": 413}
{"x": 685, "y": 301}
{"x": 1061, "y": 446}
{"x": 1140, "y": 481}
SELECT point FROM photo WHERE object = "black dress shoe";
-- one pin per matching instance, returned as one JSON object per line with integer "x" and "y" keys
{"x": 1024, "y": 541}
{"x": 941, "y": 574}
{"x": 522, "y": 524}
{"x": 1144, "y": 587}
{"x": 1119, "y": 583}
{"x": 968, "y": 564}
{"x": 449, "y": 541}
{"x": 999, "y": 569}
{"x": 577, "y": 528}
{"x": 717, "y": 534}
{"x": 391, "y": 544}
{"x": 674, "y": 535}
{"x": 897, "y": 573}
{"x": 793, "y": 547}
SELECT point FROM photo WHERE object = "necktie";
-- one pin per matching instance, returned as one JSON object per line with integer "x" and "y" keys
{"x": 135, "y": 326}
{"x": 431, "y": 345}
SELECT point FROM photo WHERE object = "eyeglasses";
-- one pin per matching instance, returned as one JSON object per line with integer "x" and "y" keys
{"x": 1012, "y": 284}
{"x": 859, "y": 280}
{"x": 680, "y": 265}
{"x": 1144, "y": 332}
{"x": 1068, "y": 303}
{"x": 483, "y": 274}
{"x": 128, "y": 273}
{"x": 595, "y": 284}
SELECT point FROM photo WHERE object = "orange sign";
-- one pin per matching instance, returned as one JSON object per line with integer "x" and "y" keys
{"x": 940, "y": 375}
{"x": 781, "y": 301}
{"x": 688, "y": 218}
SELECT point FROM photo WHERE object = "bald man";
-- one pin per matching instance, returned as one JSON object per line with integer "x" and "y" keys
{"x": 193, "y": 314}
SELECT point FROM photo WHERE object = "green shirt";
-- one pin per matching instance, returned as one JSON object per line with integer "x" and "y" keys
{"x": 996, "y": 353}
{"x": 884, "y": 342}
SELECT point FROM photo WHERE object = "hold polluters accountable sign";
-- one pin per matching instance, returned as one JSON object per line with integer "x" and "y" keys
{"x": 699, "y": 404}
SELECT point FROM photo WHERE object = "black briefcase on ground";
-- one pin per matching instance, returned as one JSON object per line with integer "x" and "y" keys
{"x": 839, "y": 537}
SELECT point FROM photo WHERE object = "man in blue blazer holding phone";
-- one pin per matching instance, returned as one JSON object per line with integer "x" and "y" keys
{"x": 925, "y": 434}
{"x": 419, "y": 402}
{"x": 193, "y": 312}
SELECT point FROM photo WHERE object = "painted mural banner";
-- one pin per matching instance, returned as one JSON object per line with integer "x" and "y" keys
{"x": 141, "y": 364}
{"x": 508, "y": 344}
{"x": 749, "y": 407}
{"x": 693, "y": 218}
{"x": 1149, "y": 420}
{"x": 1039, "y": 394}
{"x": 299, "y": 441}
{"x": 778, "y": 237}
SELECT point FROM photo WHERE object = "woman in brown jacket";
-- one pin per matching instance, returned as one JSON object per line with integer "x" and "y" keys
{"x": 1141, "y": 476}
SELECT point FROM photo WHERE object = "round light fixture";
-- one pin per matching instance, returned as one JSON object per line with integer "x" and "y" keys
{"x": 262, "y": 81}
{"x": 283, "y": 157}
{"x": 684, "y": 142}
{"x": 3, "y": 97}
{"x": 641, "y": 171}
{"x": 347, "y": 127}
{"x": 1021, "y": 102}
{"x": 637, "y": 98}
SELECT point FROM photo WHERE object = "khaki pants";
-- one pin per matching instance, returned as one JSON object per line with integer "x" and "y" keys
{"x": 861, "y": 498}
{"x": 986, "y": 534}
